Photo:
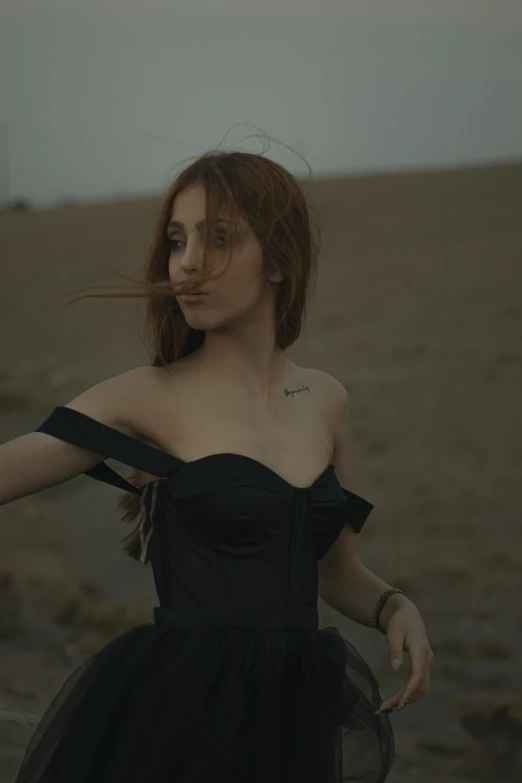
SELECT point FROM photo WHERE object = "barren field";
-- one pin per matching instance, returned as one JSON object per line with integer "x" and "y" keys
{"x": 418, "y": 312}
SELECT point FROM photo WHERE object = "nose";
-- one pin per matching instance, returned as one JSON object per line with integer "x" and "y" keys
{"x": 192, "y": 256}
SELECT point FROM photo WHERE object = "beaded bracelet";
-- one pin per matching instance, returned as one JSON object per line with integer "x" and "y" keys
{"x": 380, "y": 606}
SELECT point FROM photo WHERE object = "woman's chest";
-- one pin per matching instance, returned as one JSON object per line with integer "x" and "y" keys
{"x": 290, "y": 434}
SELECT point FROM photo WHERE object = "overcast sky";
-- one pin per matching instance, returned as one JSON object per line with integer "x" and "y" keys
{"x": 104, "y": 98}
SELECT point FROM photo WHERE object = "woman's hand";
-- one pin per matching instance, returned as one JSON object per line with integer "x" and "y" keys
{"x": 405, "y": 630}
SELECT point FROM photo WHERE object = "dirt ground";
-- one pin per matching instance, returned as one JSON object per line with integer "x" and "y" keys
{"x": 418, "y": 312}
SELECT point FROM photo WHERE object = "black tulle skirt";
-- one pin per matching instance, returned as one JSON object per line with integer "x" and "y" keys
{"x": 181, "y": 701}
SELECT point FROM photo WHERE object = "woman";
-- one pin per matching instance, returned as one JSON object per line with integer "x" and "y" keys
{"x": 241, "y": 502}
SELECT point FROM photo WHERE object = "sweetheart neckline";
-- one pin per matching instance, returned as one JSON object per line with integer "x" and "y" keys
{"x": 168, "y": 455}
{"x": 262, "y": 465}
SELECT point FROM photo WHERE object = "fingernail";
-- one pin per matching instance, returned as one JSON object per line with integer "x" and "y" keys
{"x": 395, "y": 663}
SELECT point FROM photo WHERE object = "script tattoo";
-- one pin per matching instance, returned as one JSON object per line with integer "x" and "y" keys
{"x": 295, "y": 391}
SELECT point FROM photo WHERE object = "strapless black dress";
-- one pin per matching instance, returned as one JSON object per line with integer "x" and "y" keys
{"x": 232, "y": 681}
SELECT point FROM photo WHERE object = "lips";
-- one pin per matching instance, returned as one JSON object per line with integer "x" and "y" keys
{"x": 192, "y": 298}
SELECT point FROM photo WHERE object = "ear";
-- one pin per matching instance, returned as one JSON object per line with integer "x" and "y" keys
{"x": 273, "y": 274}
{"x": 275, "y": 277}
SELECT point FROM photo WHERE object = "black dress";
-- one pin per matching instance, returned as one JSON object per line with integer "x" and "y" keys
{"x": 232, "y": 681}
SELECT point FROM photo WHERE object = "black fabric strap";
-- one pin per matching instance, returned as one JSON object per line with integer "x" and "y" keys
{"x": 359, "y": 509}
{"x": 81, "y": 430}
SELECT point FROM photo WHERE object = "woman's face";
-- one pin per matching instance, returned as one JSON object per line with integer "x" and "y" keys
{"x": 240, "y": 289}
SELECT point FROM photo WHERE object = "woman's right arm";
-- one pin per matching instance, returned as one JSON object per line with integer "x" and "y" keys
{"x": 37, "y": 460}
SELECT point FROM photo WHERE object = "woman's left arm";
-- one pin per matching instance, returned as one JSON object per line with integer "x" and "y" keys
{"x": 353, "y": 590}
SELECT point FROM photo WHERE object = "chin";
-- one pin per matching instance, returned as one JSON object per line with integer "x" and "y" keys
{"x": 196, "y": 321}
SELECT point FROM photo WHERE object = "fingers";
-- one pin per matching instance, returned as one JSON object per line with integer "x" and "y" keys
{"x": 421, "y": 657}
{"x": 419, "y": 681}
{"x": 412, "y": 692}
{"x": 391, "y": 704}
{"x": 414, "y": 689}
{"x": 409, "y": 697}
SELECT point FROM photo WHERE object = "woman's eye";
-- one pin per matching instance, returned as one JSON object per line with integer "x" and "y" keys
{"x": 172, "y": 242}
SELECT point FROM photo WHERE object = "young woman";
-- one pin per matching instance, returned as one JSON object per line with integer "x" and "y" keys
{"x": 242, "y": 504}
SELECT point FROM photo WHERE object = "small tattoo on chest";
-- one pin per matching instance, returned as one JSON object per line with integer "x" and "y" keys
{"x": 289, "y": 392}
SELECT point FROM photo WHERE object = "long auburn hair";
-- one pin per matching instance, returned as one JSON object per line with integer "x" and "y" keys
{"x": 274, "y": 206}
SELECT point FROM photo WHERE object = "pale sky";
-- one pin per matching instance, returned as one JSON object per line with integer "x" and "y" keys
{"x": 104, "y": 98}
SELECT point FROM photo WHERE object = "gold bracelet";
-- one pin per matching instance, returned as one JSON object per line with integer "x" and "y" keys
{"x": 380, "y": 606}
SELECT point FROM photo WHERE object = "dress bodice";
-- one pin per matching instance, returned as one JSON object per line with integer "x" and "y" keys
{"x": 223, "y": 530}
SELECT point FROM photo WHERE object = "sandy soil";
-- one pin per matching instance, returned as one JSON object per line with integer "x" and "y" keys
{"x": 418, "y": 312}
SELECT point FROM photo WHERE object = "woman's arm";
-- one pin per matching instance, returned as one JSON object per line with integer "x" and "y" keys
{"x": 344, "y": 582}
{"x": 36, "y": 460}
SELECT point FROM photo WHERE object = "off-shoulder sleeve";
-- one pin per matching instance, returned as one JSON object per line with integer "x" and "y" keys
{"x": 357, "y": 509}
{"x": 79, "y": 429}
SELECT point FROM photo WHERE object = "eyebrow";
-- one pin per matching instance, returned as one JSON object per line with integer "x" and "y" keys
{"x": 199, "y": 225}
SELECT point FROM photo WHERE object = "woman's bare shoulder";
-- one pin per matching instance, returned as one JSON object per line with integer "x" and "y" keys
{"x": 331, "y": 392}
{"x": 121, "y": 400}
{"x": 139, "y": 381}
{"x": 331, "y": 389}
